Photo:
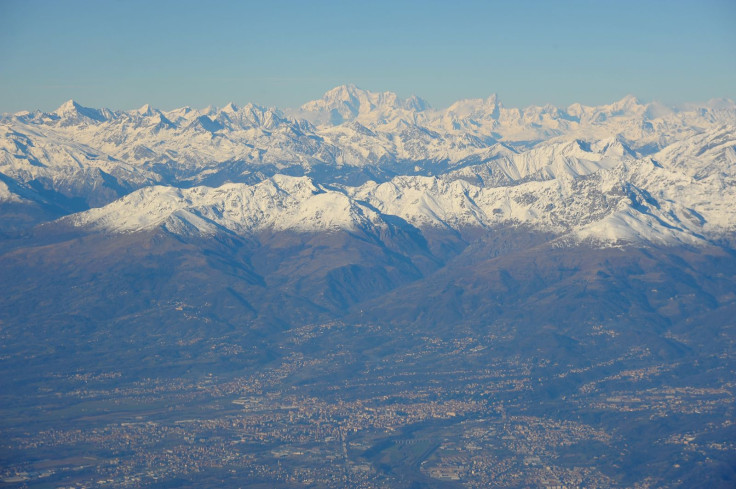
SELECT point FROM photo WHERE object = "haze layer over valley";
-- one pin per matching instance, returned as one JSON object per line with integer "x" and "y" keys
{"x": 366, "y": 291}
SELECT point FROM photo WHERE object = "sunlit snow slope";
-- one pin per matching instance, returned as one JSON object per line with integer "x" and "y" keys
{"x": 624, "y": 172}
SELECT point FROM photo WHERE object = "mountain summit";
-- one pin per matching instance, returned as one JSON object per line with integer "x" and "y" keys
{"x": 366, "y": 292}
{"x": 623, "y": 172}
{"x": 348, "y": 102}
{"x": 71, "y": 112}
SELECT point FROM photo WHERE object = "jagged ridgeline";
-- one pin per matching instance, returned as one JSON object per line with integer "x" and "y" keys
{"x": 625, "y": 171}
{"x": 369, "y": 292}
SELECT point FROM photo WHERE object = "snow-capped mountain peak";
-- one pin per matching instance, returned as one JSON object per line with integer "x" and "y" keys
{"x": 70, "y": 111}
{"x": 358, "y": 158}
{"x": 629, "y": 104}
{"x": 70, "y": 106}
{"x": 346, "y": 103}
{"x": 229, "y": 108}
{"x": 476, "y": 108}
{"x": 145, "y": 110}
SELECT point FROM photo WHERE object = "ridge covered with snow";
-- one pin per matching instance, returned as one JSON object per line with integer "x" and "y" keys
{"x": 356, "y": 159}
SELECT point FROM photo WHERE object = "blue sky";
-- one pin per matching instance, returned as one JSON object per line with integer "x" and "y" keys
{"x": 122, "y": 54}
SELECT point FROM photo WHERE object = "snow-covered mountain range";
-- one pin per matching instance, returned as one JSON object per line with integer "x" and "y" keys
{"x": 355, "y": 159}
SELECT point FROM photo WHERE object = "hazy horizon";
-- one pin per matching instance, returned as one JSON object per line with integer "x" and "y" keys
{"x": 123, "y": 55}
